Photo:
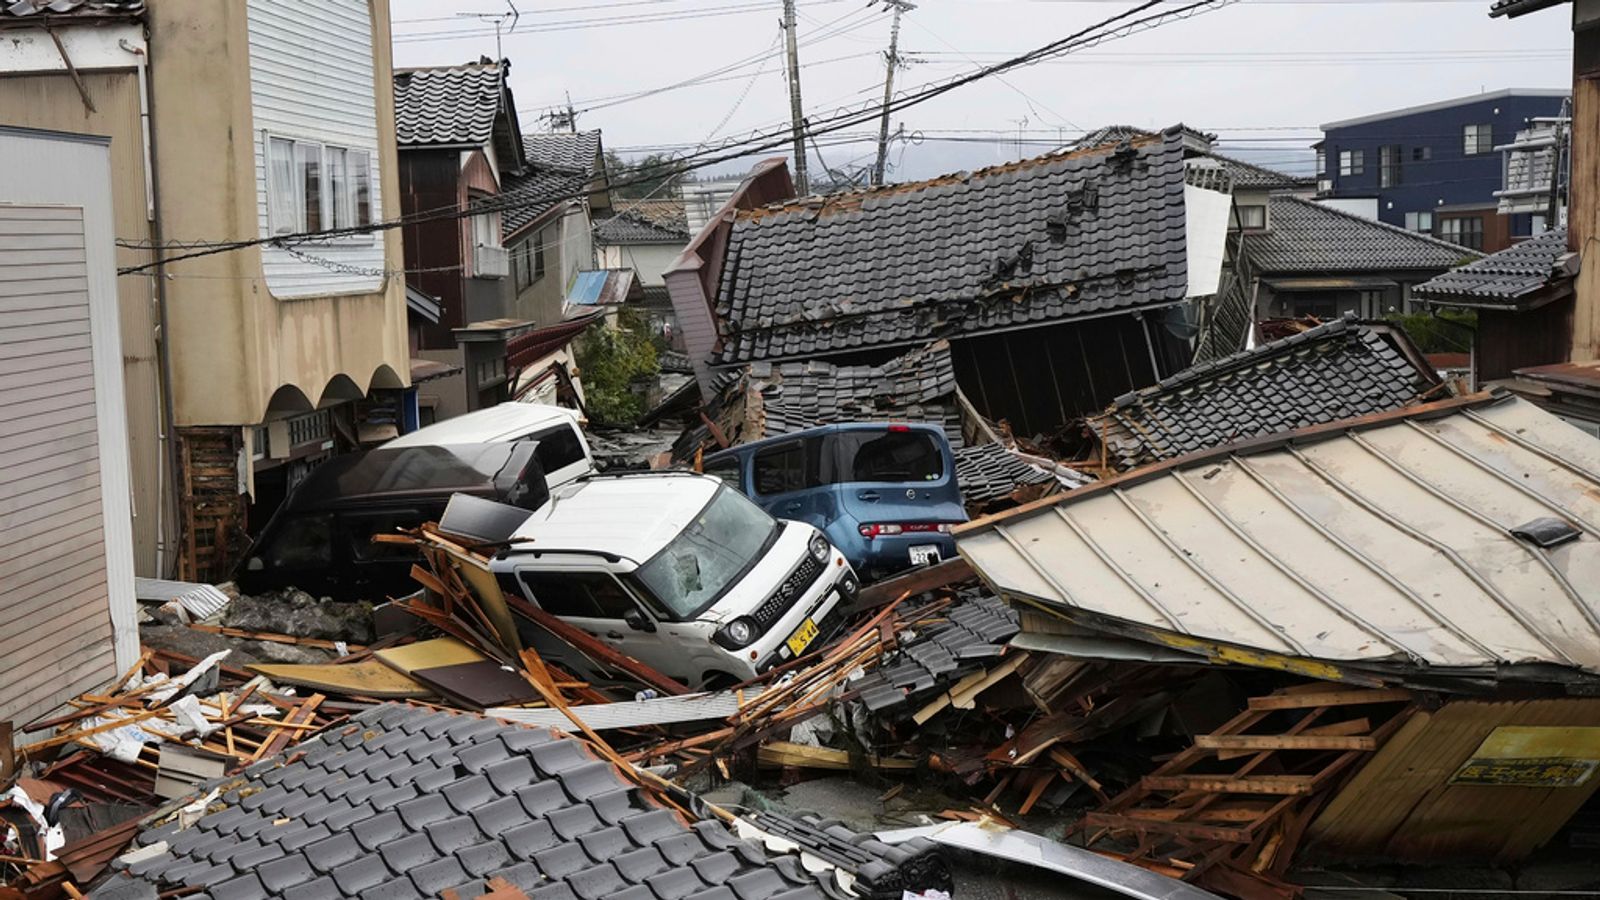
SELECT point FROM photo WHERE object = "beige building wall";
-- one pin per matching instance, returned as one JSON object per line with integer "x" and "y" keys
{"x": 50, "y": 101}
{"x": 234, "y": 345}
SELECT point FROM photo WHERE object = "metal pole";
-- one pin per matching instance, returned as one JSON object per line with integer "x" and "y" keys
{"x": 893, "y": 58}
{"x": 795, "y": 114}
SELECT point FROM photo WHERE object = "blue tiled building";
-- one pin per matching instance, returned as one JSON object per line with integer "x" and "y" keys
{"x": 1433, "y": 167}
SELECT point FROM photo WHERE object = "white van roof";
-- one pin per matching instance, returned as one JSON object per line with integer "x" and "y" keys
{"x": 488, "y": 426}
{"x": 631, "y": 516}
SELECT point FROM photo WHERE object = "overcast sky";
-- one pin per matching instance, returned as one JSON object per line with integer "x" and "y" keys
{"x": 1261, "y": 73}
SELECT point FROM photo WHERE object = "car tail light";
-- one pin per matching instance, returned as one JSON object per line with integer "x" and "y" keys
{"x": 876, "y": 529}
{"x": 899, "y": 427}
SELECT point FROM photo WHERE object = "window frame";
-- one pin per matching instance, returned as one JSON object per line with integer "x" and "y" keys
{"x": 1389, "y": 156}
{"x": 1352, "y": 162}
{"x": 288, "y": 205}
{"x": 1471, "y": 238}
{"x": 1240, "y": 218}
{"x": 1477, "y": 139}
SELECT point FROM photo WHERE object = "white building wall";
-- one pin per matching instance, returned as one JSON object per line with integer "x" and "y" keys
{"x": 311, "y": 78}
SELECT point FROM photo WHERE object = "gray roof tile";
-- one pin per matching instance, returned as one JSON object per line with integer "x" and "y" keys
{"x": 446, "y": 106}
{"x": 1041, "y": 240}
{"x": 1501, "y": 279}
{"x": 1338, "y": 370}
{"x": 563, "y": 151}
{"x": 1305, "y": 236}
{"x": 987, "y": 472}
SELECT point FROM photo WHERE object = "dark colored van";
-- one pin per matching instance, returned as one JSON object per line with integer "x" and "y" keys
{"x": 320, "y": 539}
{"x": 884, "y": 494}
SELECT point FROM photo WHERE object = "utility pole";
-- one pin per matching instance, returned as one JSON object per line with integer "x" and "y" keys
{"x": 893, "y": 60}
{"x": 796, "y": 116}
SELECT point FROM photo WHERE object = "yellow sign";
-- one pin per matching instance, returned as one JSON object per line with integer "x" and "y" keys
{"x": 1533, "y": 756}
{"x": 802, "y": 637}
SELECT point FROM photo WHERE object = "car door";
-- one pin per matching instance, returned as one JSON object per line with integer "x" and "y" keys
{"x": 591, "y": 598}
{"x": 786, "y": 481}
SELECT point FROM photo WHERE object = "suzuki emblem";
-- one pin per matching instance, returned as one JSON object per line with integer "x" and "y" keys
{"x": 911, "y": 494}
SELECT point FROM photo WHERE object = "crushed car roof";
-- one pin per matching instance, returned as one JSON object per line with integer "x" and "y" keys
{"x": 630, "y": 516}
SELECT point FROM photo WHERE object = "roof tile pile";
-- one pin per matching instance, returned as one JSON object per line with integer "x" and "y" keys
{"x": 917, "y": 387}
{"x": 976, "y": 631}
{"x": 632, "y": 227}
{"x": 987, "y": 472}
{"x": 454, "y": 105}
{"x": 1041, "y": 240}
{"x": 1335, "y": 371}
{"x": 1304, "y": 236}
{"x": 1501, "y": 279}
{"x": 71, "y": 9}
{"x": 409, "y": 802}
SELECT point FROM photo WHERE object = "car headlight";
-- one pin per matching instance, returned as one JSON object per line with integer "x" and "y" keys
{"x": 820, "y": 548}
{"x": 736, "y": 634}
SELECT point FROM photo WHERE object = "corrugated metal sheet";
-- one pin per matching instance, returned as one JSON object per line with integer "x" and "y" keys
{"x": 634, "y": 713}
{"x": 1384, "y": 540}
{"x": 1402, "y": 806}
{"x": 311, "y": 79}
{"x": 56, "y": 636}
{"x": 51, "y": 102}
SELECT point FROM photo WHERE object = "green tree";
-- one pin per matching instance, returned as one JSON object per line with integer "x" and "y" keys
{"x": 609, "y": 361}
{"x": 1441, "y": 331}
{"x": 642, "y": 177}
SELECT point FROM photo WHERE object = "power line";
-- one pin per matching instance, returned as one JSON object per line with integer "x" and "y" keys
{"x": 1131, "y": 21}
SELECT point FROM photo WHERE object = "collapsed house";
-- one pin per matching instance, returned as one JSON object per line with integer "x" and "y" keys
{"x": 1059, "y": 282}
{"x": 1444, "y": 557}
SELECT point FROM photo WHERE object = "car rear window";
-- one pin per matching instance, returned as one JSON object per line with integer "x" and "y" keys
{"x": 889, "y": 456}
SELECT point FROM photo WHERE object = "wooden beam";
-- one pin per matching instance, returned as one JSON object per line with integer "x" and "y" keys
{"x": 1282, "y": 742}
{"x": 1221, "y": 784}
{"x": 1330, "y": 698}
{"x": 594, "y": 648}
{"x": 916, "y": 581}
{"x": 1186, "y": 829}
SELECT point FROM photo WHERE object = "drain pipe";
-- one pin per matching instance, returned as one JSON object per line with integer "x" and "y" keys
{"x": 171, "y": 467}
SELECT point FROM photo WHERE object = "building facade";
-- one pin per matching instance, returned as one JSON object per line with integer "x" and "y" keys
{"x": 1436, "y": 168}
{"x": 250, "y": 350}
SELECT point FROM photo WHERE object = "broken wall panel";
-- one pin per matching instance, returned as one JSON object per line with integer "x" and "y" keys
{"x": 1410, "y": 804}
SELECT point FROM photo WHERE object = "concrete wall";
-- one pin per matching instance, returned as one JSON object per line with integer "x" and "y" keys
{"x": 233, "y": 343}
{"x": 651, "y": 261}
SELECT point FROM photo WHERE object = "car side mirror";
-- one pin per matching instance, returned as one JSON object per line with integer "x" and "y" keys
{"x": 638, "y": 621}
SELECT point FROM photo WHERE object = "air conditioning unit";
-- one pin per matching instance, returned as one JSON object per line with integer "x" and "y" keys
{"x": 491, "y": 262}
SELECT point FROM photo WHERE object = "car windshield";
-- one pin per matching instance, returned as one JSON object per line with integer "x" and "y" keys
{"x": 718, "y": 547}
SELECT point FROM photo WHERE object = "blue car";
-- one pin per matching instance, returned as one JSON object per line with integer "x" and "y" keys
{"x": 884, "y": 494}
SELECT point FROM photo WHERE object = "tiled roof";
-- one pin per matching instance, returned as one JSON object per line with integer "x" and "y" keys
{"x": 1501, "y": 279}
{"x": 1337, "y": 370}
{"x": 69, "y": 10}
{"x": 1305, "y": 236}
{"x": 917, "y": 387}
{"x": 409, "y": 802}
{"x": 1037, "y": 241}
{"x": 628, "y": 227}
{"x": 454, "y": 105}
{"x": 663, "y": 212}
{"x": 564, "y": 151}
{"x": 1251, "y": 176}
{"x": 988, "y": 472}
{"x": 530, "y": 196}
{"x": 973, "y": 636}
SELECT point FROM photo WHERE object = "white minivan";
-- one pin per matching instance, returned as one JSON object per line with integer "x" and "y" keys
{"x": 679, "y": 572}
{"x": 562, "y": 452}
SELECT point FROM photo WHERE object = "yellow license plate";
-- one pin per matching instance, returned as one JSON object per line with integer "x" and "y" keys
{"x": 802, "y": 637}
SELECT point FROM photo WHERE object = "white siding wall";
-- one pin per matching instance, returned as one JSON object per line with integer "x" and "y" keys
{"x": 66, "y": 561}
{"x": 311, "y": 78}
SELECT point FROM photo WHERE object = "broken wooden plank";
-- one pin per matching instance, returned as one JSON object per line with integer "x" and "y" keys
{"x": 916, "y": 581}
{"x": 594, "y": 648}
{"x": 788, "y": 753}
{"x": 1185, "y": 829}
{"x": 1330, "y": 698}
{"x": 1219, "y": 784}
{"x": 1283, "y": 742}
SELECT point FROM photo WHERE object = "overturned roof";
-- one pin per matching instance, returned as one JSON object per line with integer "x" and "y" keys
{"x": 1522, "y": 276}
{"x": 1306, "y": 236}
{"x": 410, "y": 802}
{"x": 1455, "y": 538}
{"x": 1337, "y": 370}
{"x": 1048, "y": 239}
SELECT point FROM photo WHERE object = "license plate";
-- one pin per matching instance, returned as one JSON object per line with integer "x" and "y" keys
{"x": 802, "y": 637}
{"x": 925, "y": 554}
